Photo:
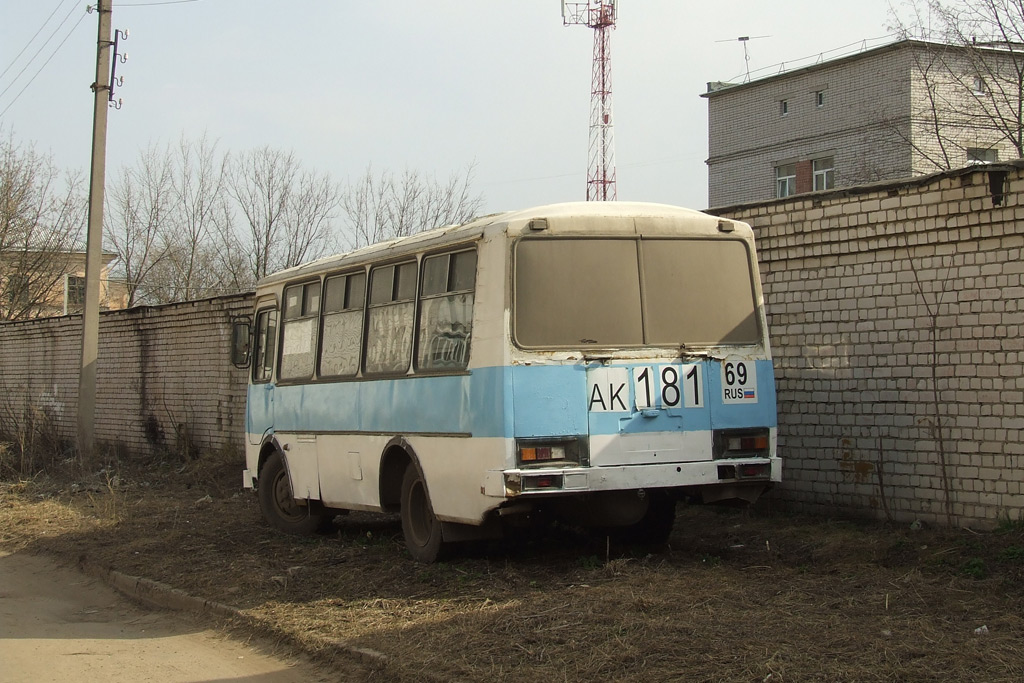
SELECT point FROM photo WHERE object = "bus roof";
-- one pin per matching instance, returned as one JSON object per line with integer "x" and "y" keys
{"x": 499, "y": 221}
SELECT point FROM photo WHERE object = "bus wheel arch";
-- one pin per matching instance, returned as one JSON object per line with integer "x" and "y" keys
{"x": 269, "y": 447}
{"x": 397, "y": 457}
{"x": 277, "y": 504}
{"x": 403, "y": 488}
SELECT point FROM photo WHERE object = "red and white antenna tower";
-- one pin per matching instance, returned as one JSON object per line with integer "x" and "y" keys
{"x": 599, "y": 15}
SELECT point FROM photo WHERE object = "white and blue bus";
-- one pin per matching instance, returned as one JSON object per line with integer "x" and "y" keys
{"x": 595, "y": 361}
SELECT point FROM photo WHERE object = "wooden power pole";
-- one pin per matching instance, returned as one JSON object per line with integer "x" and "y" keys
{"x": 94, "y": 241}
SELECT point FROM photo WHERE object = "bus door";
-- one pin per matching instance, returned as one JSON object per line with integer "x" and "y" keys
{"x": 259, "y": 412}
{"x": 648, "y": 413}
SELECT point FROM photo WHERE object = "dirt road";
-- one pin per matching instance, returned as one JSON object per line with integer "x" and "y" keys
{"x": 56, "y": 624}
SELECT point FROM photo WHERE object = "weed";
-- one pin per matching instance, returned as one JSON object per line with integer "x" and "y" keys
{"x": 31, "y": 441}
{"x": 590, "y": 562}
{"x": 710, "y": 560}
{"x": 974, "y": 568}
{"x": 1013, "y": 553}
{"x": 1010, "y": 526}
{"x": 110, "y": 504}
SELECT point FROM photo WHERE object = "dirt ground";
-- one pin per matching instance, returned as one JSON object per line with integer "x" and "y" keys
{"x": 736, "y": 595}
{"x": 58, "y": 625}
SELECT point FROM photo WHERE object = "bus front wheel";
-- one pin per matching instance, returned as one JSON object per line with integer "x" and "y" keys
{"x": 421, "y": 528}
{"x": 278, "y": 505}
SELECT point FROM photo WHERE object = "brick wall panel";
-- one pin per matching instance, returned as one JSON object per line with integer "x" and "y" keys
{"x": 878, "y": 329}
{"x": 163, "y": 376}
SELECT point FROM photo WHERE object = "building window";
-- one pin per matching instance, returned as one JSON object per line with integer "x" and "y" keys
{"x": 17, "y": 290}
{"x": 76, "y": 290}
{"x": 824, "y": 173}
{"x": 819, "y": 99}
{"x": 785, "y": 180}
{"x": 74, "y": 294}
{"x": 978, "y": 86}
{"x": 783, "y": 107}
{"x": 982, "y": 155}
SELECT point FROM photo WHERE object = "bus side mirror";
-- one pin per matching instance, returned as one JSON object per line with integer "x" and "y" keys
{"x": 241, "y": 341}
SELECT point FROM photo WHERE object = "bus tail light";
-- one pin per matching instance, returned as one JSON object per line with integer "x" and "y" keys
{"x": 544, "y": 482}
{"x": 742, "y": 443}
{"x": 753, "y": 470}
{"x": 570, "y": 451}
{"x": 530, "y": 454}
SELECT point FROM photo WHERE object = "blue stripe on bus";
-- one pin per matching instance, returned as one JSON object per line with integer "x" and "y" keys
{"x": 548, "y": 400}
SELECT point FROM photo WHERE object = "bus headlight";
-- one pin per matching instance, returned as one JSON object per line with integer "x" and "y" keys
{"x": 569, "y": 451}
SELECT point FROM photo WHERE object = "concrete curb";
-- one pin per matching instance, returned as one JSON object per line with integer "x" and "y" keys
{"x": 155, "y": 593}
{"x": 161, "y": 595}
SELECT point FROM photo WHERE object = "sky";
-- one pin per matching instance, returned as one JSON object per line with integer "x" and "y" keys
{"x": 433, "y": 87}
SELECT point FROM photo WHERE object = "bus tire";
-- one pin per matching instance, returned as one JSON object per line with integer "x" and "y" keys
{"x": 656, "y": 525}
{"x": 277, "y": 504}
{"x": 421, "y": 529}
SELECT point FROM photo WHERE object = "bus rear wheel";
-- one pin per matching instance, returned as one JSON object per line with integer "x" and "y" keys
{"x": 655, "y": 527}
{"x": 278, "y": 505}
{"x": 421, "y": 528}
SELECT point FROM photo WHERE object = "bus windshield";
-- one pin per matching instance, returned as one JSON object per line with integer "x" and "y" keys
{"x": 634, "y": 292}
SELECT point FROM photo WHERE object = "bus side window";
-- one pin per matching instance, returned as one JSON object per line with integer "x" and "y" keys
{"x": 446, "y": 311}
{"x": 263, "y": 354}
{"x": 390, "y": 321}
{"x": 342, "y": 325}
{"x": 298, "y": 348}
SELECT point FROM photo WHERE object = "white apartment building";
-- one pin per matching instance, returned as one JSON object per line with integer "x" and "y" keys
{"x": 904, "y": 109}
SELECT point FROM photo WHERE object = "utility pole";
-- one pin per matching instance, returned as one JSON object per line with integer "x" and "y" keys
{"x": 94, "y": 241}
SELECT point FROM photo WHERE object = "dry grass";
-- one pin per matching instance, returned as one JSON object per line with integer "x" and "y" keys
{"x": 736, "y": 597}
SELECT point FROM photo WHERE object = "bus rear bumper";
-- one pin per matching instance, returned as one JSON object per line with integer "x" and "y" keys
{"x": 516, "y": 483}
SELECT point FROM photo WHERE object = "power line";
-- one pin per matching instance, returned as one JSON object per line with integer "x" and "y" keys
{"x": 150, "y": 4}
{"x": 36, "y": 74}
{"x": 34, "y": 36}
{"x": 45, "y": 43}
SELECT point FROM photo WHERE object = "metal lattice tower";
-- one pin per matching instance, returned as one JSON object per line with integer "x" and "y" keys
{"x": 599, "y": 15}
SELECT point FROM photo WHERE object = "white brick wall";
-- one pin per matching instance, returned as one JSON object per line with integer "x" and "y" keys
{"x": 892, "y": 307}
{"x": 164, "y": 380}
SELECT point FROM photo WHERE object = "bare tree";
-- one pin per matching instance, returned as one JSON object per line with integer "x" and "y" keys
{"x": 42, "y": 213}
{"x": 970, "y": 64}
{"x": 199, "y": 209}
{"x": 168, "y": 214}
{"x": 139, "y": 203}
{"x": 289, "y": 212}
{"x": 189, "y": 222}
{"x": 380, "y": 207}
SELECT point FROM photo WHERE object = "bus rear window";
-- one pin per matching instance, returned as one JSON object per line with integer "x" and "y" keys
{"x": 591, "y": 292}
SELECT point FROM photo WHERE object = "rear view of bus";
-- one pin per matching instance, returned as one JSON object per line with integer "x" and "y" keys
{"x": 592, "y": 361}
{"x": 641, "y": 370}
